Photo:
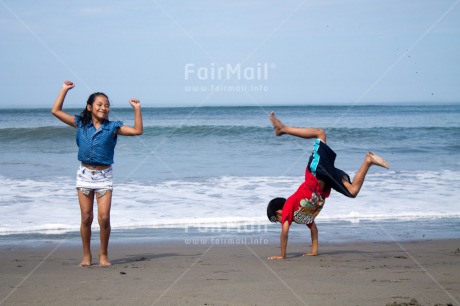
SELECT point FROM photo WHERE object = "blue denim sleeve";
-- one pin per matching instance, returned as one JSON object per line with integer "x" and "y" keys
{"x": 77, "y": 120}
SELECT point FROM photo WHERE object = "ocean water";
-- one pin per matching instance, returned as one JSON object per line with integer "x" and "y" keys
{"x": 196, "y": 169}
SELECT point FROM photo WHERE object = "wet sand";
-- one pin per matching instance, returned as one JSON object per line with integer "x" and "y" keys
{"x": 390, "y": 273}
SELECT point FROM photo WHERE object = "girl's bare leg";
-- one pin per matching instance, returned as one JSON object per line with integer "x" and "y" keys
{"x": 358, "y": 180}
{"x": 103, "y": 216}
{"x": 307, "y": 133}
{"x": 86, "y": 208}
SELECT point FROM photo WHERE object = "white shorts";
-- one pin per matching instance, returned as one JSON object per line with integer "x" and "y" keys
{"x": 89, "y": 180}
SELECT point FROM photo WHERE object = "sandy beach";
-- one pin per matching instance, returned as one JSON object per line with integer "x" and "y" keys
{"x": 390, "y": 273}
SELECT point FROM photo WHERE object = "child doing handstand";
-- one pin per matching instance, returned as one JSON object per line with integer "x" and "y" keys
{"x": 320, "y": 176}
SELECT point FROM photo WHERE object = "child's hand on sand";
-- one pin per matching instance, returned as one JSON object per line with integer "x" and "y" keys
{"x": 135, "y": 103}
{"x": 68, "y": 85}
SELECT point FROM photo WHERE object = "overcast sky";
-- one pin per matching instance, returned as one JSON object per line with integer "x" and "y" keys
{"x": 196, "y": 53}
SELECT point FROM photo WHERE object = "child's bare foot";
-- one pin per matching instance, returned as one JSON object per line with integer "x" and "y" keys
{"x": 104, "y": 261}
{"x": 86, "y": 262}
{"x": 377, "y": 160}
{"x": 311, "y": 254}
{"x": 277, "y": 125}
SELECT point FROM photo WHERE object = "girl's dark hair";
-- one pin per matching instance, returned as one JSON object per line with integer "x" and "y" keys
{"x": 85, "y": 116}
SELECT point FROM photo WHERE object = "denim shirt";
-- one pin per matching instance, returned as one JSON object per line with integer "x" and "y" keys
{"x": 96, "y": 147}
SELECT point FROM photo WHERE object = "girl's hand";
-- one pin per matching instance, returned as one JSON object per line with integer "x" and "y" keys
{"x": 68, "y": 85}
{"x": 135, "y": 103}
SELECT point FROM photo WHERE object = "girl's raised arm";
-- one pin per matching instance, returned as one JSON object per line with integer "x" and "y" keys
{"x": 138, "y": 127}
{"x": 57, "y": 107}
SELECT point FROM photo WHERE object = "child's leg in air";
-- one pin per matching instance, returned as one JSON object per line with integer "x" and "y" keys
{"x": 358, "y": 180}
{"x": 281, "y": 129}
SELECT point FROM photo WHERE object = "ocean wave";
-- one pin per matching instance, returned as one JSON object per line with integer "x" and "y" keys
{"x": 225, "y": 202}
{"x": 199, "y": 131}
{"x": 36, "y": 134}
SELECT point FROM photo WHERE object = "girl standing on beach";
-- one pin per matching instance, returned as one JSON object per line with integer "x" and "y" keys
{"x": 96, "y": 140}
